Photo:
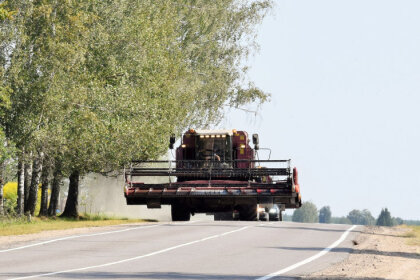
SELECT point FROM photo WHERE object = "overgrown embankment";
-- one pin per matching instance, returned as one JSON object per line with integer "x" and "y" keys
{"x": 413, "y": 235}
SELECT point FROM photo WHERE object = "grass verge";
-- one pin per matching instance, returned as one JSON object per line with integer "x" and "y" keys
{"x": 21, "y": 225}
{"x": 413, "y": 235}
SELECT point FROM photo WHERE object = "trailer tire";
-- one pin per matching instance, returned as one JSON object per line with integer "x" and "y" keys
{"x": 248, "y": 213}
{"x": 180, "y": 212}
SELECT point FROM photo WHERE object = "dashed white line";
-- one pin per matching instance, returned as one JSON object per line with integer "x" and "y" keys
{"x": 134, "y": 258}
{"x": 310, "y": 259}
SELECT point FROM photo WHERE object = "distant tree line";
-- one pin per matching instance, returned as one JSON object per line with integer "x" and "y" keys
{"x": 309, "y": 213}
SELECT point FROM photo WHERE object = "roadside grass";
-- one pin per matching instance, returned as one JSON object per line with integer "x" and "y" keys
{"x": 21, "y": 225}
{"x": 413, "y": 235}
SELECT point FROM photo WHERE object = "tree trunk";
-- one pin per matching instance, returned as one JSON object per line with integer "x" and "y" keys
{"x": 1, "y": 188}
{"x": 33, "y": 190}
{"x": 72, "y": 204}
{"x": 43, "y": 211}
{"x": 27, "y": 182}
{"x": 21, "y": 186}
{"x": 55, "y": 190}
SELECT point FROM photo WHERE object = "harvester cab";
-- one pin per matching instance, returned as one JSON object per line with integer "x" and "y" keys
{"x": 215, "y": 171}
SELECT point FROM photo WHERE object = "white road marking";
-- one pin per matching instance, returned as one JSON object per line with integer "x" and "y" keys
{"x": 134, "y": 258}
{"x": 85, "y": 235}
{"x": 310, "y": 259}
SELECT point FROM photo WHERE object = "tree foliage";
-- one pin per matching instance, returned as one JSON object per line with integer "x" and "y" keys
{"x": 5, "y": 13}
{"x": 95, "y": 84}
{"x": 307, "y": 213}
{"x": 325, "y": 215}
{"x": 363, "y": 217}
{"x": 385, "y": 218}
{"x": 94, "y": 78}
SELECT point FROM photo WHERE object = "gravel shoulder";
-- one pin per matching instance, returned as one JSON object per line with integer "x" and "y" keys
{"x": 379, "y": 253}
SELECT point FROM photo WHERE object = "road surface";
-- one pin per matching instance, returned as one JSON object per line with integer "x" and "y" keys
{"x": 191, "y": 250}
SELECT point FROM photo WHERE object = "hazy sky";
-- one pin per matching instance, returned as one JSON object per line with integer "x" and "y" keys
{"x": 345, "y": 80}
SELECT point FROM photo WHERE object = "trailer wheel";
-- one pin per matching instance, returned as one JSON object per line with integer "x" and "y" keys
{"x": 180, "y": 212}
{"x": 248, "y": 212}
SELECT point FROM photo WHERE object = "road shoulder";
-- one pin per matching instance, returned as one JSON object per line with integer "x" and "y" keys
{"x": 379, "y": 253}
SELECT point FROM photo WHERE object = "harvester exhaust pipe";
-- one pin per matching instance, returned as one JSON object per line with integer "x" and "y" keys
{"x": 255, "y": 141}
{"x": 171, "y": 141}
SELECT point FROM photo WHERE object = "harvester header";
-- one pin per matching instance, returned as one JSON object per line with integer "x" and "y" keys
{"x": 215, "y": 171}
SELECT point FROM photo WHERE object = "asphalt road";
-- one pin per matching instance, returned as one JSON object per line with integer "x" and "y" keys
{"x": 193, "y": 250}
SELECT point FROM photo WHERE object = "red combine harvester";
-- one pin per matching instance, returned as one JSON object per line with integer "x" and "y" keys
{"x": 216, "y": 172}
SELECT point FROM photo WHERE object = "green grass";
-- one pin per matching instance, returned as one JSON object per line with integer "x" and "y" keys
{"x": 413, "y": 235}
{"x": 21, "y": 225}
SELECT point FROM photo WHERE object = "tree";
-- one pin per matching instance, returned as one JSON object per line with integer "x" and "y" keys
{"x": 43, "y": 210}
{"x": 6, "y": 152}
{"x": 355, "y": 216}
{"x": 384, "y": 218}
{"x": 325, "y": 215}
{"x": 397, "y": 221}
{"x": 307, "y": 213}
{"x": 358, "y": 217}
{"x": 27, "y": 174}
{"x": 1, "y": 188}
{"x": 26, "y": 67}
{"x": 368, "y": 218}
{"x": 182, "y": 54}
{"x": 72, "y": 205}
{"x": 55, "y": 188}
{"x": 4, "y": 105}
{"x": 20, "y": 186}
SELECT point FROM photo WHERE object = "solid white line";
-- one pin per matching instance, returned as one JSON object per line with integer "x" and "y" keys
{"x": 308, "y": 260}
{"x": 85, "y": 235}
{"x": 134, "y": 258}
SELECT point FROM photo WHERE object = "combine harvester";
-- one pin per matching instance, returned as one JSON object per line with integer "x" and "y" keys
{"x": 216, "y": 172}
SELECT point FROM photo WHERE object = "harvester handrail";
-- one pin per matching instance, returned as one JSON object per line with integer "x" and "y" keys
{"x": 199, "y": 160}
{"x": 208, "y": 169}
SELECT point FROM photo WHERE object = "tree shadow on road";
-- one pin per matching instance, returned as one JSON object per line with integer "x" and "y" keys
{"x": 360, "y": 229}
{"x": 337, "y": 278}
{"x": 152, "y": 275}
{"x": 186, "y": 276}
{"x": 355, "y": 251}
{"x": 311, "y": 228}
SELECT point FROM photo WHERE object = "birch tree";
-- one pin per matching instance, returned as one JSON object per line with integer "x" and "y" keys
{"x": 43, "y": 210}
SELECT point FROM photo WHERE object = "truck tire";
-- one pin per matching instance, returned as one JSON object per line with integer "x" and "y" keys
{"x": 248, "y": 213}
{"x": 274, "y": 218}
{"x": 180, "y": 212}
{"x": 263, "y": 218}
{"x": 223, "y": 216}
